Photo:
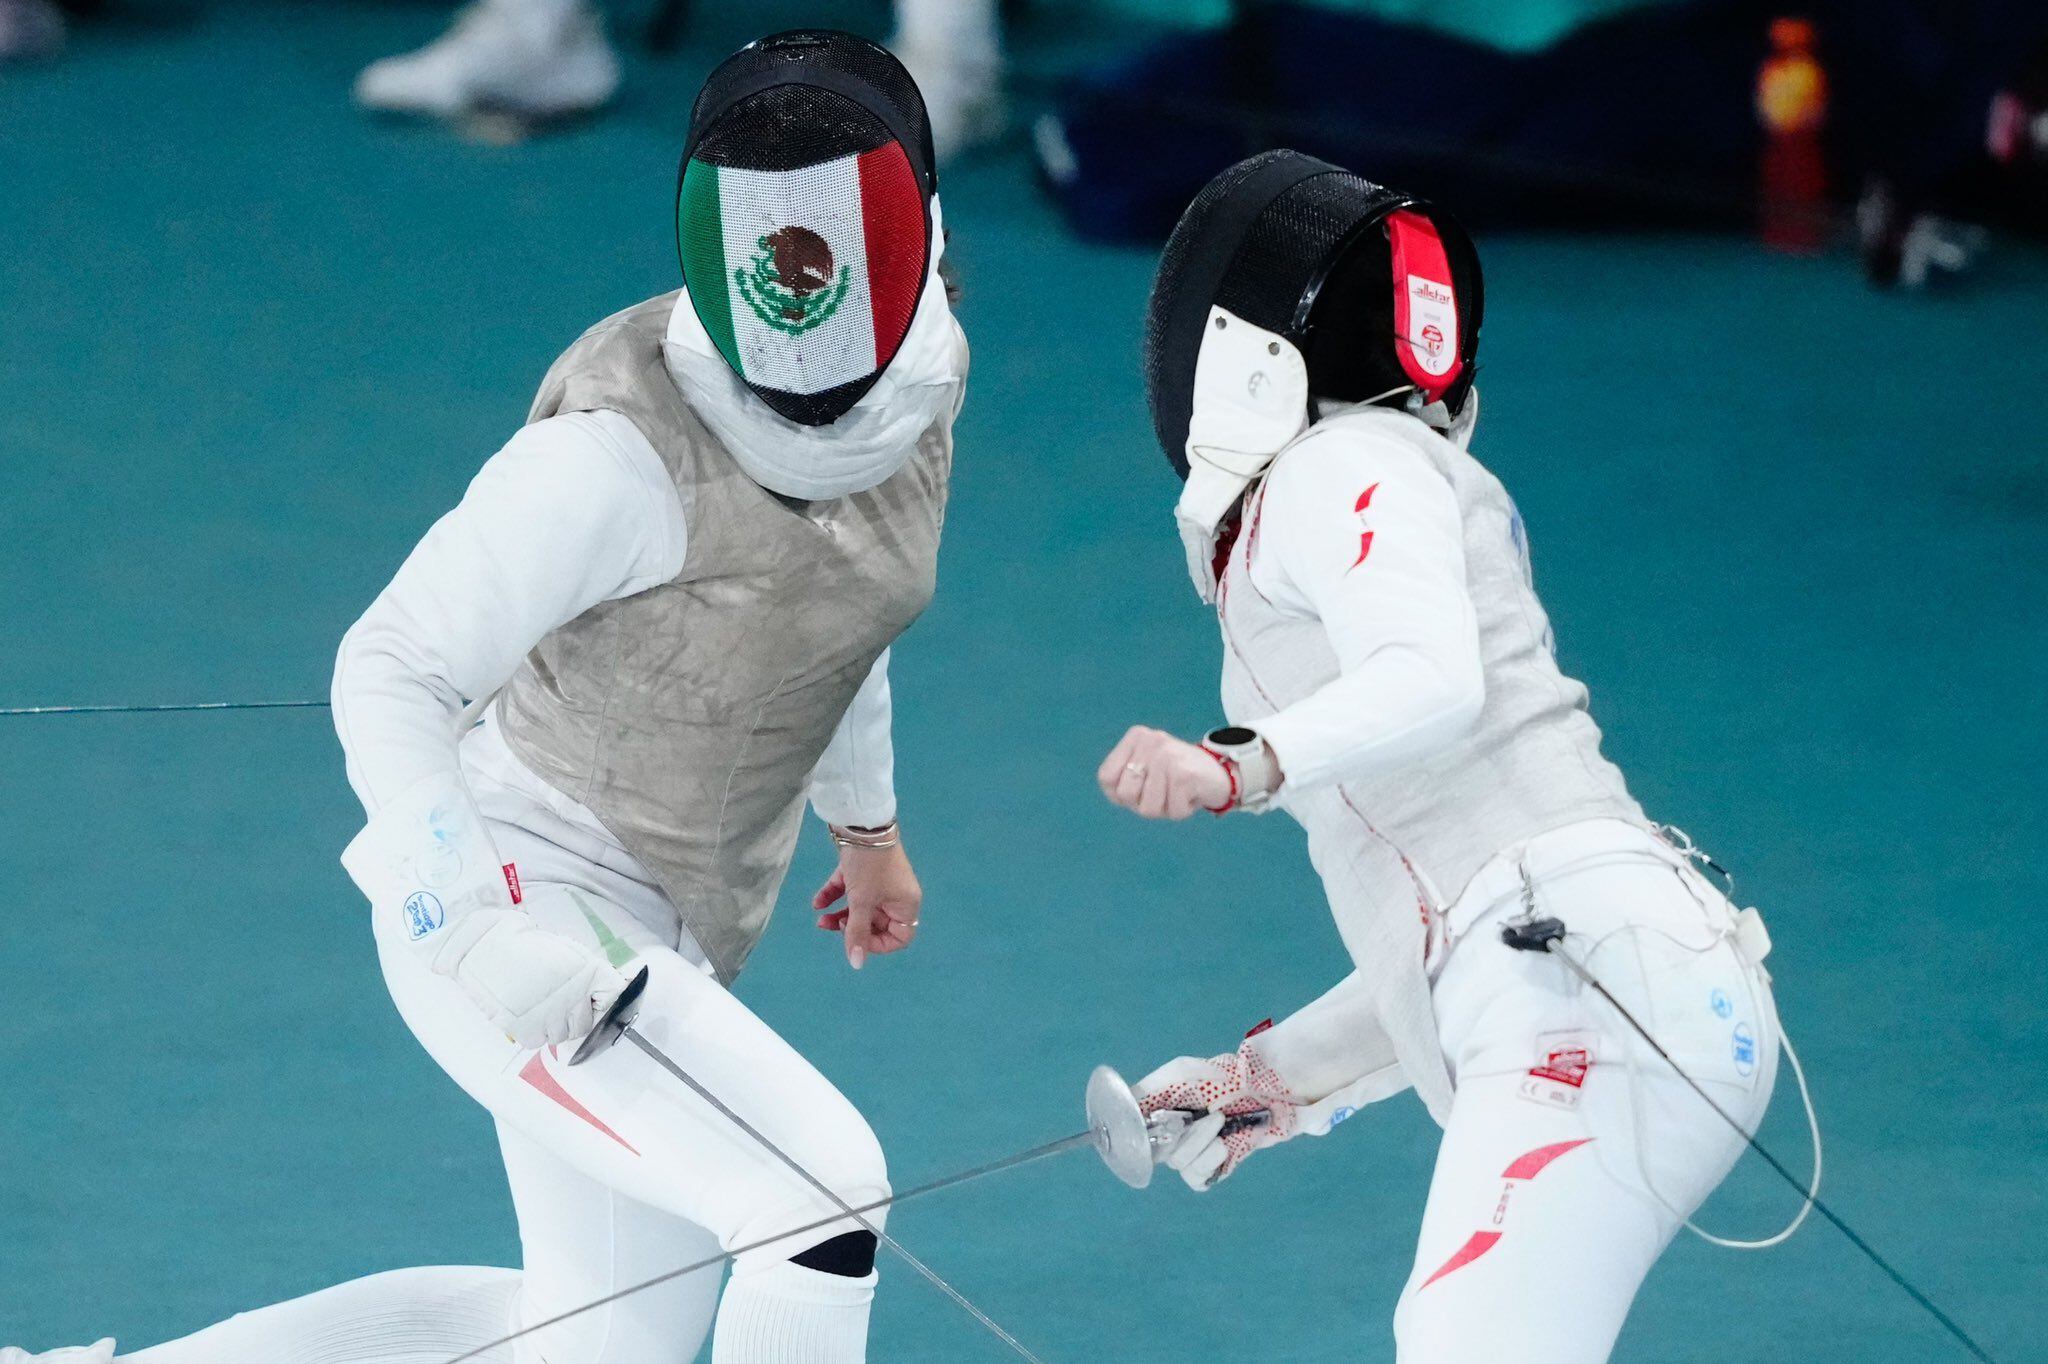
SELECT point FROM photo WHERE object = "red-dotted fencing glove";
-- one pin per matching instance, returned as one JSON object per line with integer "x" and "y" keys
{"x": 1220, "y": 1087}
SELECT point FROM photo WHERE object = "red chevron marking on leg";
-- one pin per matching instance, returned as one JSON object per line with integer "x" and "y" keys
{"x": 1530, "y": 1165}
{"x": 537, "y": 1075}
{"x": 1481, "y": 1242}
{"x": 1525, "y": 1166}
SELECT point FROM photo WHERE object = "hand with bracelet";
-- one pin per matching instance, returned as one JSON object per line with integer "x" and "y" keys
{"x": 881, "y": 892}
{"x": 1160, "y": 777}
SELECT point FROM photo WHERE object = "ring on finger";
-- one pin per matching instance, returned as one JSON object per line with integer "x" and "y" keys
{"x": 1134, "y": 769}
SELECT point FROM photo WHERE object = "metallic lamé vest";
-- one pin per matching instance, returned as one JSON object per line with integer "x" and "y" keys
{"x": 688, "y": 717}
{"x": 1396, "y": 848}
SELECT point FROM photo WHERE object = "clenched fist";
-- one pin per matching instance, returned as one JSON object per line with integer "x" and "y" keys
{"x": 1161, "y": 777}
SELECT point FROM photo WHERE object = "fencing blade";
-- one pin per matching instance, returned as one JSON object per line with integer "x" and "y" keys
{"x": 617, "y": 1025}
{"x": 1116, "y": 1131}
{"x": 1532, "y": 934}
{"x": 173, "y": 708}
{"x": 995, "y": 1167}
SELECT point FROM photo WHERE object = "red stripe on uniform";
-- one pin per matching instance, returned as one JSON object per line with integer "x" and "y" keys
{"x": 1525, "y": 1166}
{"x": 1530, "y": 1165}
{"x": 892, "y": 217}
{"x": 537, "y": 1075}
{"x": 1481, "y": 1242}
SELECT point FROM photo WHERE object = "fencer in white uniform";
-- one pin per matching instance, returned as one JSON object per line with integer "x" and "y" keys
{"x": 670, "y": 598}
{"x": 1388, "y": 681}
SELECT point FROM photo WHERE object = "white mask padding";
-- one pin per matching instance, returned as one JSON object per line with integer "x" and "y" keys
{"x": 1459, "y": 432}
{"x": 1250, "y": 402}
{"x": 861, "y": 449}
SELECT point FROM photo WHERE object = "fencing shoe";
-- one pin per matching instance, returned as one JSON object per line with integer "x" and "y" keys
{"x": 30, "y": 31}
{"x": 101, "y": 1353}
{"x": 537, "y": 60}
{"x": 963, "y": 95}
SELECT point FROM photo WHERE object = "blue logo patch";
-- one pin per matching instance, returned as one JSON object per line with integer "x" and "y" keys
{"x": 1718, "y": 1002}
{"x": 1744, "y": 1049}
{"x": 1340, "y": 1115}
{"x": 423, "y": 914}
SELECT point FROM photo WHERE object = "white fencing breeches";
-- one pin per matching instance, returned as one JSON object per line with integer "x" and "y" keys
{"x": 620, "y": 1173}
{"x": 1573, "y": 1153}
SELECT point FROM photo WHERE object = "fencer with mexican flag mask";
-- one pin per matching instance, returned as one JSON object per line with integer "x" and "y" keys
{"x": 668, "y": 602}
{"x": 1388, "y": 681}
{"x": 808, "y": 223}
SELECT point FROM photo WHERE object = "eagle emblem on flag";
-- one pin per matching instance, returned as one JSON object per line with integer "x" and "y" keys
{"x": 790, "y": 281}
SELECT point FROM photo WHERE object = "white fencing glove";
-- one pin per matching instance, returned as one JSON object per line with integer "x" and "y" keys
{"x": 540, "y": 988}
{"x": 1220, "y": 1087}
{"x": 427, "y": 861}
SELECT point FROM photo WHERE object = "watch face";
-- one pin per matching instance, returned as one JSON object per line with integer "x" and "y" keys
{"x": 1232, "y": 736}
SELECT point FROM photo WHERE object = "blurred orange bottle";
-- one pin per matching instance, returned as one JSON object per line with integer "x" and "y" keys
{"x": 1792, "y": 102}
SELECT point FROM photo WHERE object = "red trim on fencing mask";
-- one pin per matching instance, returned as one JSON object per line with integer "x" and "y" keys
{"x": 1425, "y": 308}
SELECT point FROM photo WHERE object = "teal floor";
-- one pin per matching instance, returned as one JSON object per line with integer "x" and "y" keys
{"x": 1791, "y": 531}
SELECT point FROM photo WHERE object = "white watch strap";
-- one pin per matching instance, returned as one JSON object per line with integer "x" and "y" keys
{"x": 1256, "y": 771}
{"x": 1258, "y": 775}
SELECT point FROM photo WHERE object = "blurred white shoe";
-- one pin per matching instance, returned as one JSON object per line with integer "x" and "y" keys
{"x": 102, "y": 1353}
{"x": 963, "y": 95}
{"x": 540, "y": 61}
{"x": 30, "y": 30}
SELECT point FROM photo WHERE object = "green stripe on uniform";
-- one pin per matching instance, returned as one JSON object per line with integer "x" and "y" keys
{"x": 700, "y": 237}
{"x": 616, "y": 951}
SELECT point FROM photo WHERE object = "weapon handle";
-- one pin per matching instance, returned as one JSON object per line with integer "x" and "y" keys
{"x": 609, "y": 1029}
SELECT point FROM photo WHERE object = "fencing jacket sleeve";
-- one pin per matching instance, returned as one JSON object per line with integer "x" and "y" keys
{"x": 1361, "y": 533}
{"x": 573, "y": 511}
{"x": 854, "y": 781}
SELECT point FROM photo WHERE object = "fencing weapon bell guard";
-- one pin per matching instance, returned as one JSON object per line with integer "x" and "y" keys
{"x": 1131, "y": 1142}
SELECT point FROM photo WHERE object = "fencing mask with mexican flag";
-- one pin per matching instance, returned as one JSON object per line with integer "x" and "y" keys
{"x": 803, "y": 217}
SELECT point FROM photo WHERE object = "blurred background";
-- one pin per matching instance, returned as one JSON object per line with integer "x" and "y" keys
{"x": 1764, "y": 368}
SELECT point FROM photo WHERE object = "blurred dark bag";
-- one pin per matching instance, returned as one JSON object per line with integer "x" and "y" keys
{"x": 1644, "y": 118}
{"x": 1647, "y": 120}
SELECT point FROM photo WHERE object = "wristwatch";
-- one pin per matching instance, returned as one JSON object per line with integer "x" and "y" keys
{"x": 1253, "y": 772}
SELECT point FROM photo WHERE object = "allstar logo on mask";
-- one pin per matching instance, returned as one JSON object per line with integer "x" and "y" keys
{"x": 790, "y": 281}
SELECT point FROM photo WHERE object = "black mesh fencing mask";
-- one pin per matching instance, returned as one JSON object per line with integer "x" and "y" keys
{"x": 803, "y": 216}
{"x": 1378, "y": 292}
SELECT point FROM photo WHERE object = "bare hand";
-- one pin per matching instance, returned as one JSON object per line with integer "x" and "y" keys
{"x": 1161, "y": 777}
{"x": 883, "y": 900}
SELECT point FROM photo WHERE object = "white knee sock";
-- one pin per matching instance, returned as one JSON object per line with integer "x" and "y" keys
{"x": 408, "y": 1316}
{"x": 786, "y": 1314}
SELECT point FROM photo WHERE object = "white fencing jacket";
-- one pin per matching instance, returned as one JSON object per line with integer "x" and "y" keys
{"x": 574, "y": 511}
{"x": 577, "y": 510}
{"x": 1382, "y": 633}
